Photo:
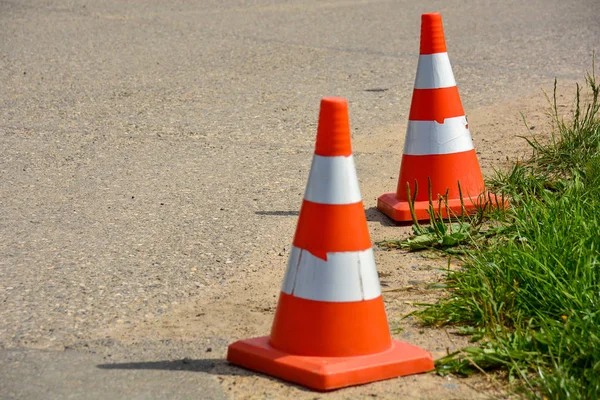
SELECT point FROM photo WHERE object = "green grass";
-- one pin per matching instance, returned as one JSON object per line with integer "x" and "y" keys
{"x": 529, "y": 290}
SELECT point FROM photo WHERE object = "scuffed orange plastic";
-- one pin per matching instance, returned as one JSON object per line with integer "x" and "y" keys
{"x": 435, "y": 104}
{"x": 445, "y": 172}
{"x": 328, "y": 228}
{"x": 330, "y": 329}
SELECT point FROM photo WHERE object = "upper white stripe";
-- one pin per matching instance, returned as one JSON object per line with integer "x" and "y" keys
{"x": 332, "y": 180}
{"x": 434, "y": 71}
{"x": 344, "y": 277}
{"x": 429, "y": 137}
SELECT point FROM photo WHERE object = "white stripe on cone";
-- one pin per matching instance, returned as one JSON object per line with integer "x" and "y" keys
{"x": 430, "y": 137}
{"x": 434, "y": 71}
{"x": 347, "y": 276}
{"x": 332, "y": 180}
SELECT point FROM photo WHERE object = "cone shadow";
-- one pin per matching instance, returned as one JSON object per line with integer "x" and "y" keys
{"x": 374, "y": 215}
{"x": 209, "y": 366}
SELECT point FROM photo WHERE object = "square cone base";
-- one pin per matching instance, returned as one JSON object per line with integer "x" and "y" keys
{"x": 399, "y": 211}
{"x": 328, "y": 373}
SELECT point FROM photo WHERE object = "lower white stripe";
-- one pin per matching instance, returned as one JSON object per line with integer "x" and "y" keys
{"x": 332, "y": 180}
{"x": 348, "y": 276}
{"x": 434, "y": 71}
{"x": 429, "y": 137}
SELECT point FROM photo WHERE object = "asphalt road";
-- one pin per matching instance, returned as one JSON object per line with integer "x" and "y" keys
{"x": 144, "y": 140}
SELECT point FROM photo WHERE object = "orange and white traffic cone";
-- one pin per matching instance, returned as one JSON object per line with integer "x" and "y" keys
{"x": 438, "y": 150}
{"x": 330, "y": 328}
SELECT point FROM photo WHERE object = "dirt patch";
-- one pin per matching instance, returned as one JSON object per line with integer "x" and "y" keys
{"x": 245, "y": 309}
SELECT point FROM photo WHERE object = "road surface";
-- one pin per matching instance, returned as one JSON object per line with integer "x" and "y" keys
{"x": 154, "y": 157}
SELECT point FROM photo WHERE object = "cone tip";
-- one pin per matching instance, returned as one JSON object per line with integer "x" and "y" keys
{"x": 432, "y": 34}
{"x": 433, "y": 17}
{"x": 333, "y": 100}
{"x": 333, "y": 133}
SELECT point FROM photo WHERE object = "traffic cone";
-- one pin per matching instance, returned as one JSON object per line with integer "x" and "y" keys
{"x": 330, "y": 329}
{"x": 438, "y": 151}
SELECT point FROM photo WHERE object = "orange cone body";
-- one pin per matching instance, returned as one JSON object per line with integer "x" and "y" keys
{"x": 330, "y": 329}
{"x": 438, "y": 146}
